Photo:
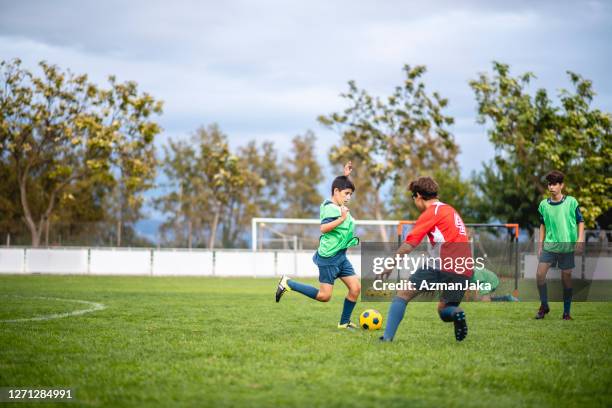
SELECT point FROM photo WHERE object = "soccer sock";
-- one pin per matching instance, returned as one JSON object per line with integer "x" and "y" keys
{"x": 304, "y": 289}
{"x": 505, "y": 298}
{"x": 543, "y": 294}
{"x": 347, "y": 310}
{"x": 447, "y": 313}
{"x": 567, "y": 300}
{"x": 395, "y": 316}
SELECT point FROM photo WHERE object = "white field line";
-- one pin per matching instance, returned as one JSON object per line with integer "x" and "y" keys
{"x": 94, "y": 307}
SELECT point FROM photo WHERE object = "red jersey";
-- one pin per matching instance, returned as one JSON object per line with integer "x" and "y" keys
{"x": 448, "y": 238}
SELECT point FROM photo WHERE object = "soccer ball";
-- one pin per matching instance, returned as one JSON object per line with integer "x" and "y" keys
{"x": 371, "y": 320}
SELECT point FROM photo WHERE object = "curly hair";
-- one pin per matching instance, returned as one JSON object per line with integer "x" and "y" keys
{"x": 425, "y": 186}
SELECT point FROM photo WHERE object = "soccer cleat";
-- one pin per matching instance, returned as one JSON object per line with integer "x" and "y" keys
{"x": 461, "y": 328}
{"x": 566, "y": 316}
{"x": 282, "y": 288}
{"x": 542, "y": 312}
{"x": 349, "y": 326}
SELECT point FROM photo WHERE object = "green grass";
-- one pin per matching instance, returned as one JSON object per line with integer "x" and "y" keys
{"x": 224, "y": 342}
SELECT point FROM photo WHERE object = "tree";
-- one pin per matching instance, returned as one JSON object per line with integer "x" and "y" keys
{"x": 134, "y": 152}
{"x": 392, "y": 140}
{"x": 532, "y": 136}
{"x": 204, "y": 175}
{"x": 301, "y": 179}
{"x": 185, "y": 203}
{"x": 258, "y": 196}
{"x": 453, "y": 190}
{"x": 59, "y": 129}
{"x": 221, "y": 173}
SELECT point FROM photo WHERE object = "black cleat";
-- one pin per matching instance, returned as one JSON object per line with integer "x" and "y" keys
{"x": 461, "y": 328}
{"x": 282, "y": 288}
{"x": 542, "y": 312}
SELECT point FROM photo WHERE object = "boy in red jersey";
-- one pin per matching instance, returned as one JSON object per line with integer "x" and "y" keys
{"x": 449, "y": 243}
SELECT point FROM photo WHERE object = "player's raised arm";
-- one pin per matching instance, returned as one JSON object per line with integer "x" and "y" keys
{"x": 348, "y": 168}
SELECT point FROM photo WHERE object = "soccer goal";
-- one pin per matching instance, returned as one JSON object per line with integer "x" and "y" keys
{"x": 497, "y": 244}
{"x": 304, "y": 233}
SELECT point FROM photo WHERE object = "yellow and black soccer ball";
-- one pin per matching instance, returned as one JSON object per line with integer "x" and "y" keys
{"x": 371, "y": 320}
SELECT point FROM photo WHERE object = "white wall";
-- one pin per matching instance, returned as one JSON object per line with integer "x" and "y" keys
{"x": 120, "y": 262}
{"x": 223, "y": 262}
{"x": 182, "y": 263}
{"x": 57, "y": 261}
{"x": 12, "y": 260}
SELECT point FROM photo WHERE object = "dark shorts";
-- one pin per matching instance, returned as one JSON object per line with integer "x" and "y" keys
{"x": 430, "y": 276}
{"x": 334, "y": 267}
{"x": 564, "y": 260}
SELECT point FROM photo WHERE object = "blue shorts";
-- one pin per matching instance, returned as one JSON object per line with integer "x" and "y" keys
{"x": 564, "y": 260}
{"x": 334, "y": 267}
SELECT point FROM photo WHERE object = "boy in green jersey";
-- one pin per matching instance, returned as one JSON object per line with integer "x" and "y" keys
{"x": 337, "y": 227}
{"x": 561, "y": 227}
{"x": 484, "y": 276}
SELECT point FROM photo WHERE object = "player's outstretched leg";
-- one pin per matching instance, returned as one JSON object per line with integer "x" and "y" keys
{"x": 504, "y": 298}
{"x": 396, "y": 312}
{"x": 451, "y": 312}
{"x": 286, "y": 284}
{"x": 394, "y": 317}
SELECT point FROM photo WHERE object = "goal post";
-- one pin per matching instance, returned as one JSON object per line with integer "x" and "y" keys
{"x": 258, "y": 224}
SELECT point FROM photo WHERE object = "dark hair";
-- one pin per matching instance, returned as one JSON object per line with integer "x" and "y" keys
{"x": 342, "y": 183}
{"x": 555, "y": 177}
{"x": 425, "y": 186}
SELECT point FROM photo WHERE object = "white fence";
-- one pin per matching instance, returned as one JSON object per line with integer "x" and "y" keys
{"x": 161, "y": 262}
{"x": 223, "y": 262}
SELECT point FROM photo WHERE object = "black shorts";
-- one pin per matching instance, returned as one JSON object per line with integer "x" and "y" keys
{"x": 430, "y": 275}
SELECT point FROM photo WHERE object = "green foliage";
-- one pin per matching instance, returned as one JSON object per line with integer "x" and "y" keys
{"x": 129, "y": 117}
{"x": 58, "y": 130}
{"x": 259, "y": 196}
{"x": 392, "y": 141}
{"x": 184, "y": 203}
{"x": 209, "y": 186}
{"x": 532, "y": 136}
{"x": 301, "y": 177}
{"x": 454, "y": 191}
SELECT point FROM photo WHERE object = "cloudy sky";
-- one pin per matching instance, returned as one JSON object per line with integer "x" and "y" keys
{"x": 266, "y": 69}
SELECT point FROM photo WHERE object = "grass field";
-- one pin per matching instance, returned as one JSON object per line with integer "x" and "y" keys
{"x": 224, "y": 342}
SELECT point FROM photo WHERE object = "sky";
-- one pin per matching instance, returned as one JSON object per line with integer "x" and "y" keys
{"x": 266, "y": 69}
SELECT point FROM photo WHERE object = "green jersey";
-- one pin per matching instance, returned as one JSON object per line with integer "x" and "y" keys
{"x": 483, "y": 275}
{"x": 340, "y": 237}
{"x": 561, "y": 219}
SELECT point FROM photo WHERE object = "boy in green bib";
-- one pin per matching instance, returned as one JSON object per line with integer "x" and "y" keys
{"x": 561, "y": 228}
{"x": 337, "y": 228}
